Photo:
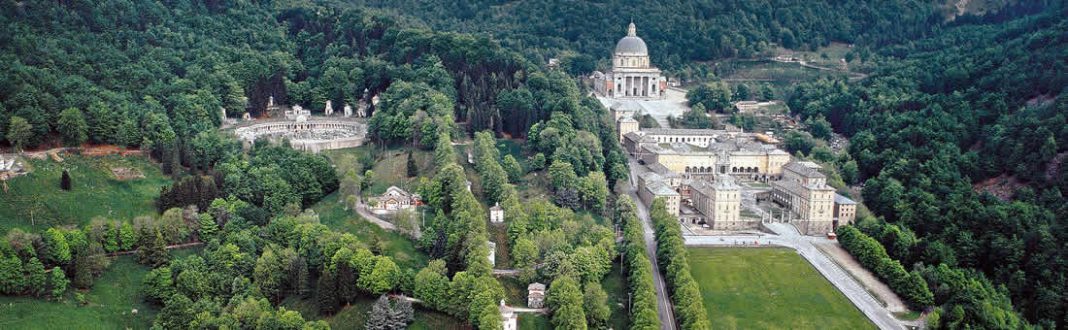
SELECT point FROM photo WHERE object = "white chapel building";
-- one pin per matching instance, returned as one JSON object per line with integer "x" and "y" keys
{"x": 632, "y": 75}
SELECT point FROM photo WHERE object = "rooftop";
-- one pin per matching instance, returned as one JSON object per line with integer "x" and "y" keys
{"x": 805, "y": 168}
{"x": 842, "y": 200}
{"x": 661, "y": 189}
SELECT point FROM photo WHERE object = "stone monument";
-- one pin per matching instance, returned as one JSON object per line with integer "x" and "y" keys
{"x": 348, "y": 111}
{"x": 329, "y": 108}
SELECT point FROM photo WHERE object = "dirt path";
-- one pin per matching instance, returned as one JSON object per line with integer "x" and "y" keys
{"x": 879, "y": 289}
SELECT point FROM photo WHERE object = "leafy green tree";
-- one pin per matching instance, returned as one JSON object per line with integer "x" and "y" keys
{"x": 57, "y": 247}
{"x": 72, "y": 126}
{"x": 153, "y": 251}
{"x": 36, "y": 278}
{"x": 513, "y": 168}
{"x": 565, "y": 300}
{"x": 595, "y": 301}
{"x": 432, "y": 285}
{"x": 12, "y": 280}
{"x": 490, "y": 318}
{"x": 819, "y": 127}
{"x": 58, "y": 283}
{"x": 537, "y": 162}
{"x": 713, "y": 96}
{"x": 208, "y": 228}
{"x": 766, "y": 92}
{"x": 741, "y": 92}
{"x": 127, "y": 237}
{"x": 158, "y": 285}
{"x": 19, "y": 132}
{"x": 385, "y": 276}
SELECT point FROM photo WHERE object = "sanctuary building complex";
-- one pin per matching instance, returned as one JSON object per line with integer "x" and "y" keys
{"x": 696, "y": 172}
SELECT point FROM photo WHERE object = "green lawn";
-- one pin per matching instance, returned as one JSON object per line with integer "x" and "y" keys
{"x": 114, "y": 295}
{"x": 528, "y": 321}
{"x": 95, "y": 192}
{"x": 769, "y": 288}
{"x": 354, "y": 316}
{"x": 403, "y": 250}
{"x": 616, "y": 286}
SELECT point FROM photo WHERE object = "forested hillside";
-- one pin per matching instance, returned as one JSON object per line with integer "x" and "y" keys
{"x": 679, "y": 31}
{"x": 153, "y": 75}
{"x": 979, "y": 101}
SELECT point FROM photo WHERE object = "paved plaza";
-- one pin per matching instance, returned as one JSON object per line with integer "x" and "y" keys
{"x": 673, "y": 104}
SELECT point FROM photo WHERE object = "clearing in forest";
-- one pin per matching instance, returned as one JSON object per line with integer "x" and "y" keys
{"x": 35, "y": 199}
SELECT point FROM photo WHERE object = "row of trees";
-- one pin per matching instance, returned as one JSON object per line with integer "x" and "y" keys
{"x": 671, "y": 254}
{"x": 643, "y": 312}
{"x": 910, "y": 286}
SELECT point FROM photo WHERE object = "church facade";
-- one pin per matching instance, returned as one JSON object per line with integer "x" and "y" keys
{"x": 632, "y": 75}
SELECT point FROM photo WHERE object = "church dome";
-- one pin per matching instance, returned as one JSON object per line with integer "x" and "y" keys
{"x": 631, "y": 44}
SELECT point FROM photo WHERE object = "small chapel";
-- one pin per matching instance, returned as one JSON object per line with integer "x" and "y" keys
{"x": 632, "y": 75}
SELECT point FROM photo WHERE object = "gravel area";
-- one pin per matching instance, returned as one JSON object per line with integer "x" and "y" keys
{"x": 871, "y": 283}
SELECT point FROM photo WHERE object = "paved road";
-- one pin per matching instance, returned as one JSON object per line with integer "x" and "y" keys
{"x": 663, "y": 300}
{"x": 787, "y": 236}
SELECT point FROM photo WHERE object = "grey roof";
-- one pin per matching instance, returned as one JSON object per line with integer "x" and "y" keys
{"x": 725, "y": 182}
{"x": 626, "y": 119}
{"x": 842, "y": 200}
{"x": 661, "y": 189}
{"x": 631, "y": 45}
{"x": 684, "y": 131}
{"x": 797, "y": 188}
{"x": 536, "y": 286}
{"x": 807, "y": 169}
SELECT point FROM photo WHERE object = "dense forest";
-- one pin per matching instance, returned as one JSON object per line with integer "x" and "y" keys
{"x": 979, "y": 103}
{"x": 679, "y": 31}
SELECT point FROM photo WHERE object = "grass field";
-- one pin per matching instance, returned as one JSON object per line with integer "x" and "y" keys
{"x": 528, "y": 321}
{"x": 110, "y": 302}
{"x": 95, "y": 192}
{"x": 333, "y": 215}
{"x": 354, "y": 316}
{"x": 616, "y": 286}
{"x": 769, "y": 289}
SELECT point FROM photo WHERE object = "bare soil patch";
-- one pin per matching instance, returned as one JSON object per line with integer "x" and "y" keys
{"x": 1002, "y": 186}
{"x": 127, "y": 173}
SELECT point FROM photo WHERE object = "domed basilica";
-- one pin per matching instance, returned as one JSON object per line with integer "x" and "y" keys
{"x": 632, "y": 76}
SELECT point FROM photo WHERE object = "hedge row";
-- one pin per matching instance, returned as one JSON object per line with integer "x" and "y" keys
{"x": 643, "y": 314}
{"x": 910, "y": 286}
{"x": 671, "y": 251}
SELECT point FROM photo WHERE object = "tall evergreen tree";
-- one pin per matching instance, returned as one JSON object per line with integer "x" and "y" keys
{"x": 413, "y": 170}
{"x": 64, "y": 181}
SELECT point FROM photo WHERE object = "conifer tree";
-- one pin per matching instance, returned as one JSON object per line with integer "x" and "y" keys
{"x": 64, "y": 181}
{"x": 413, "y": 170}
